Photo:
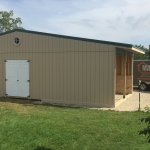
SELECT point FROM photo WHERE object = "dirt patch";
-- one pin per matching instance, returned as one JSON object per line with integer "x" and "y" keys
{"x": 22, "y": 106}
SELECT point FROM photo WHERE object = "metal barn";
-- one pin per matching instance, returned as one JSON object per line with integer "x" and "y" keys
{"x": 64, "y": 70}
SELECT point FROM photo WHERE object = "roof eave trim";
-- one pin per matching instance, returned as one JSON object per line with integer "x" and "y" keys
{"x": 137, "y": 50}
{"x": 70, "y": 37}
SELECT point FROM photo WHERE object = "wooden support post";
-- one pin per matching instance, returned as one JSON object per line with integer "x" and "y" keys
{"x": 125, "y": 62}
{"x": 122, "y": 64}
{"x": 132, "y": 58}
{"x": 129, "y": 65}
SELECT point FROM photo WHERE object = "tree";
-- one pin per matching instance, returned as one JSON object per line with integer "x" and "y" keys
{"x": 7, "y": 22}
{"x": 146, "y": 56}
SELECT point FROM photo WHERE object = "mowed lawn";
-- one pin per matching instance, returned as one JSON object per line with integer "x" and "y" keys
{"x": 28, "y": 126}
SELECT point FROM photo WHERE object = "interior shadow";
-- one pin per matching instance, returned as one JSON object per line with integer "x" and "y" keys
{"x": 146, "y": 131}
{"x": 136, "y": 89}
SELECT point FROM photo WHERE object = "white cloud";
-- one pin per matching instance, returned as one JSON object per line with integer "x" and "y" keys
{"x": 114, "y": 20}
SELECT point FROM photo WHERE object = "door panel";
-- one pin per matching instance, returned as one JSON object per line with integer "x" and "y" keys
{"x": 11, "y": 88}
{"x": 23, "y": 77}
{"x": 11, "y": 76}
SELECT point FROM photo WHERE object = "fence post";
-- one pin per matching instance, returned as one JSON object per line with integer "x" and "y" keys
{"x": 139, "y": 94}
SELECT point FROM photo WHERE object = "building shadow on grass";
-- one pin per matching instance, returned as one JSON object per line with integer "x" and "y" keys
{"x": 146, "y": 131}
{"x": 17, "y": 100}
{"x": 42, "y": 148}
{"x": 31, "y": 102}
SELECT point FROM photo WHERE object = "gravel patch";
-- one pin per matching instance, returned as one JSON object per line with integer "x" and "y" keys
{"x": 131, "y": 102}
{"x": 118, "y": 97}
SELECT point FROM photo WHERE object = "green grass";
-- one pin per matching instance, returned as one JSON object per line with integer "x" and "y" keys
{"x": 39, "y": 127}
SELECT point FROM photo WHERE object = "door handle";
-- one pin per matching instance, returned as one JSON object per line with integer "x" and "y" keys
{"x": 17, "y": 80}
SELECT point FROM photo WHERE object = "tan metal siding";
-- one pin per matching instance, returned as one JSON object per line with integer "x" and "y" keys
{"x": 1, "y": 75}
{"x": 65, "y": 76}
{"x": 57, "y": 75}
{"x": 84, "y": 74}
{"x": 54, "y": 77}
{"x": 63, "y": 70}
{"x": 105, "y": 74}
{"x": 68, "y": 71}
{"x": 98, "y": 92}
{"x": 93, "y": 77}
{"x": 72, "y": 84}
{"x": 88, "y": 76}
{"x": 76, "y": 75}
{"x": 102, "y": 74}
{"x": 80, "y": 74}
{"x": 112, "y": 74}
{"x": 60, "y": 72}
{"x": 50, "y": 79}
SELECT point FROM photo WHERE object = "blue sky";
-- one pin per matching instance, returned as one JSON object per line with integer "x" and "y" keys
{"x": 125, "y": 21}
